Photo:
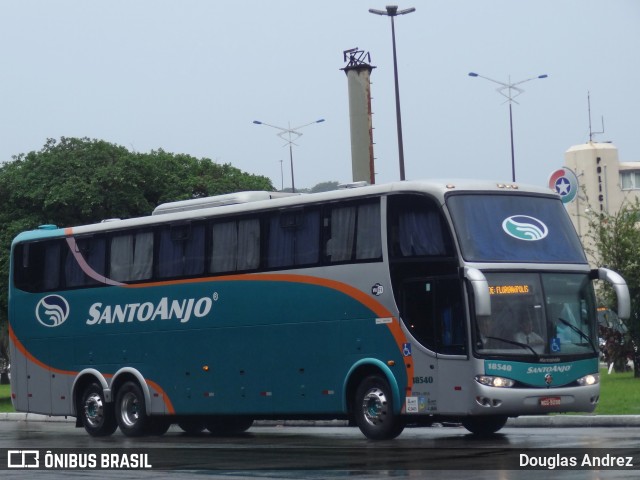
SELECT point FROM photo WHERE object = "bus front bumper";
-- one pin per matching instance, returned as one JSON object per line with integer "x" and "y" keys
{"x": 533, "y": 401}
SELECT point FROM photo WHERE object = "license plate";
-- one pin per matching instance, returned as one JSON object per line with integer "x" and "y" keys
{"x": 550, "y": 402}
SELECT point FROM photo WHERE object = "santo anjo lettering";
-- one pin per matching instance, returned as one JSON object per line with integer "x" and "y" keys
{"x": 553, "y": 369}
{"x": 182, "y": 310}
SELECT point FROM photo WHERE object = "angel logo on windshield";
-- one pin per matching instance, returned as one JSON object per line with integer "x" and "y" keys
{"x": 525, "y": 228}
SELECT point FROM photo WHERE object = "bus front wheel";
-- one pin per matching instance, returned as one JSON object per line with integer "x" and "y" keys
{"x": 373, "y": 409}
{"x": 130, "y": 410}
{"x": 484, "y": 425}
{"x": 97, "y": 415}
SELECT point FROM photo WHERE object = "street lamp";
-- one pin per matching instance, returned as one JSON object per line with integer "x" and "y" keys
{"x": 286, "y": 135}
{"x": 392, "y": 11}
{"x": 510, "y": 91}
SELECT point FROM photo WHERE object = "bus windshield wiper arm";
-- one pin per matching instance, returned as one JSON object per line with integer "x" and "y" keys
{"x": 579, "y": 332}
{"x": 521, "y": 345}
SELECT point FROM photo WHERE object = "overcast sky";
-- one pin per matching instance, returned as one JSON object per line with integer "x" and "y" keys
{"x": 190, "y": 76}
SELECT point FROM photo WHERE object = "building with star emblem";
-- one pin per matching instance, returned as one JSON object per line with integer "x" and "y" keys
{"x": 605, "y": 183}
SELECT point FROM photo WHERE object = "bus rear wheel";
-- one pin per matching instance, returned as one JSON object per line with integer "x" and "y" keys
{"x": 97, "y": 415}
{"x": 484, "y": 425}
{"x": 373, "y": 409}
{"x": 131, "y": 410}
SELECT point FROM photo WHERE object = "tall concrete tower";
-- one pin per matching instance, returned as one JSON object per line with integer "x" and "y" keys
{"x": 358, "y": 71}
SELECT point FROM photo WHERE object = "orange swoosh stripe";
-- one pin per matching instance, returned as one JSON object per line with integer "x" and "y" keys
{"x": 18, "y": 344}
{"x": 348, "y": 290}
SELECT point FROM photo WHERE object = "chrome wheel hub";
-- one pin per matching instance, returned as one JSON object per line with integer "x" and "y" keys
{"x": 374, "y": 406}
{"x": 130, "y": 408}
{"x": 94, "y": 410}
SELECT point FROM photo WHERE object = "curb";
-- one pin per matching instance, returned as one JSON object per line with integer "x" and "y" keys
{"x": 33, "y": 417}
{"x": 549, "y": 421}
{"x": 575, "y": 421}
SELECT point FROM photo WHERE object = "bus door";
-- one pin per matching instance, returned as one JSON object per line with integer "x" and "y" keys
{"x": 432, "y": 309}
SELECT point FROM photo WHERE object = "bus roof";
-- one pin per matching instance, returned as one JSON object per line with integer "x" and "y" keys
{"x": 241, "y": 202}
{"x": 217, "y": 201}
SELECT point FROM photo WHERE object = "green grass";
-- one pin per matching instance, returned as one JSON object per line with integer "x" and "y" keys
{"x": 619, "y": 395}
{"x": 5, "y": 399}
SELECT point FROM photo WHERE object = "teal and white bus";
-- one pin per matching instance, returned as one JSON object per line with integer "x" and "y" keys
{"x": 387, "y": 305}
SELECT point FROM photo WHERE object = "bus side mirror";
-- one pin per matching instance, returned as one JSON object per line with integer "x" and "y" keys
{"x": 480, "y": 287}
{"x": 619, "y": 286}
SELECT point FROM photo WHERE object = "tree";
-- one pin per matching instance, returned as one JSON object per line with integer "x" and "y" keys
{"x": 616, "y": 239}
{"x": 78, "y": 181}
{"x": 325, "y": 187}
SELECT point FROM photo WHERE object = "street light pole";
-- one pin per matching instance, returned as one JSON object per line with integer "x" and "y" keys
{"x": 288, "y": 132}
{"x": 510, "y": 91}
{"x": 392, "y": 11}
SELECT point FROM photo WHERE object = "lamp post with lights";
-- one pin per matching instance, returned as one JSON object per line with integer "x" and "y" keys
{"x": 391, "y": 12}
{"x": 289, "y": 135}
{"x": 509, "y": 90}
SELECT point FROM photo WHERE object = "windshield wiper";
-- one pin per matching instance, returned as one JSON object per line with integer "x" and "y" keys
{"x": 521, "y": 345}
{"x": 579, "y": 332}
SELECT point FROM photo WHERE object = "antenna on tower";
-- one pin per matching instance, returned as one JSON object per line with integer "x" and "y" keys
{"x": 591, "y": 132}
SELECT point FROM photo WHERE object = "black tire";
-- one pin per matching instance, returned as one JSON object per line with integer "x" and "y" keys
{"x": 192, "y": 426}
{"x": 228, "y": 425}
{"x": 374, "y": 410}
{"x": 484, "y": 425}
{"x": 96, "y": 415}
{"x": 131, "y": 410}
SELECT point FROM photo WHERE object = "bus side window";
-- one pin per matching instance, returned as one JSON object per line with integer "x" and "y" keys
{"x": 420, "y": 234}
{"x": 235, "y": 245}
{"x": 131, "y": 257}
{"x": 92, "y": 251}
{"x": 417, "y": 229}
{"x": 37, "y": 266}
{"x": 354, "y": 233}
{"x": 340, "y": 245}
{"x": 369, "y": 242}
{"x": 294, "y": 238}
{"x": 50, "y": 275}
{"x": 181, "y": 251}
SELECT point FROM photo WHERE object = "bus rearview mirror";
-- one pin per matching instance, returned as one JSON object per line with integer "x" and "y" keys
{"x": 480, "y": 287}
{"x": 621, "y": 289}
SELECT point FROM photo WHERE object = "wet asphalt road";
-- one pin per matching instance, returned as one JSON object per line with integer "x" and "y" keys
{"x": 333, "y": 452}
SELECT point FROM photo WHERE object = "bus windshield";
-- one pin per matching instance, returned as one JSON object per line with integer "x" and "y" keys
{"x": 522, "y": 228}
{"x": 538, "y": 315}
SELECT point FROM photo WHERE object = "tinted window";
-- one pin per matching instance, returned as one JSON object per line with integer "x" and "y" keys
{"x": 131, "y": 256}
{"x": 181, "y": 250}
{"x": 417, "y": 228}
{"x": 353, "y": 232}
{"x": 294, "y": 238}
{"x": 514, "y": 228}
{"x": 235, "y": 245}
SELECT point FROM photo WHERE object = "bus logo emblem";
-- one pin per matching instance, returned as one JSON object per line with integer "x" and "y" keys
{"x": 525, "y": 228}
{"x": 52, "y": 311}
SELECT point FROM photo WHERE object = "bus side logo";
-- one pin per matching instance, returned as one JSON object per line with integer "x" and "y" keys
{"x": 52, "y": 311}
{"x": 524, "y": 227}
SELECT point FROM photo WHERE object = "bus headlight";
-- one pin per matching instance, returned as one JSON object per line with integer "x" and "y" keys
{"x": 590, "y": 379}
{"x": 491, "y": 381}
